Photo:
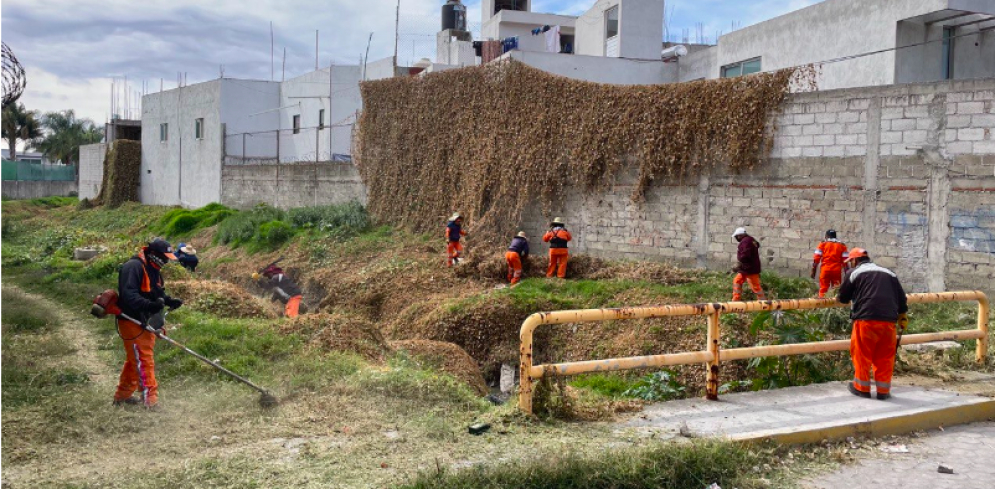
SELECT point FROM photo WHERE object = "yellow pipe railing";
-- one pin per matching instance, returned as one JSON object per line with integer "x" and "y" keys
{"x": 712, "y": 355}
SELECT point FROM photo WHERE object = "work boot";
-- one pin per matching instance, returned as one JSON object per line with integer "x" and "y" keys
{"x": 131, "y": 401}
{"x": 883, "y": 397}
{"x": 853, "y": 390}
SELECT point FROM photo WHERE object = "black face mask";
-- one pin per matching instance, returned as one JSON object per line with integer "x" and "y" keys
{"x": 158, "y": 259}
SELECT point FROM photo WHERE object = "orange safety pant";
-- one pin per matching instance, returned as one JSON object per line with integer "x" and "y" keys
{"x": 872, "y": 345}
{"x": 292, "y": 307}
{"x": 558, "y": 262}
{"x": 514, "y": 267}
{"x": 139, "y": 364}
{"x": 829, "y": 277}
{"x": 754, "y": 280}
{"x": 453, "y": 251}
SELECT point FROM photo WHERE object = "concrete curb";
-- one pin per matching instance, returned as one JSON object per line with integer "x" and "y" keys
{"x": 980, "y": 411}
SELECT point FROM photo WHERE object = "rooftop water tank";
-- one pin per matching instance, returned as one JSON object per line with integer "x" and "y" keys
{"x": 674, "y": 52}
{"x": 454, "y": 16}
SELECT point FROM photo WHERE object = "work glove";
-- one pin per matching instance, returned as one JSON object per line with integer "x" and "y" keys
{"x": 174, "y": 303}
{"x": 255, "y": 276}
{"x": 813, "y": 273}
{"x": 155, "y": 307}
{"x": 903, "y": 321}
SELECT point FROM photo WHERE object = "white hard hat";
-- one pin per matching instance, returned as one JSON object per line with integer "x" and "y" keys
{"x": 738, "y": 231}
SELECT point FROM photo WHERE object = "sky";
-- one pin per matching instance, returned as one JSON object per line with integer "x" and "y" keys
{"x": 73, "y": 49}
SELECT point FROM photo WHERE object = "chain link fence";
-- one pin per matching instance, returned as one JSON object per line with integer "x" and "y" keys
{"x": 33, "y": 172}
{"x": 287, "y": 146}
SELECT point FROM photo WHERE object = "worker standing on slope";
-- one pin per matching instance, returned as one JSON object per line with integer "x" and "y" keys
{"x": 557, "y": 237}
{"x": 284, "y": 289}
{"x": 748, "y": 267}
{"x": 454, "y": 231}
{"x": 517, "y": 251}
{"x": 879, "y": 304}
{"x": 140, "y": 296}
{"x": 831, "y": 255}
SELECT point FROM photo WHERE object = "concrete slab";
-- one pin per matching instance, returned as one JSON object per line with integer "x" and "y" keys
{"x": 812, "y": 413}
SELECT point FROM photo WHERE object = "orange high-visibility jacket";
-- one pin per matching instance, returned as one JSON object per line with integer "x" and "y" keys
{"x": 831, "y": 254}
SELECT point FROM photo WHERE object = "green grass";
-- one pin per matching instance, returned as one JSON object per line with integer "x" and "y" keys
{"x": 672, "y": 465}
{"x": 612, "y": 385}
{"x": 179, "y": 222}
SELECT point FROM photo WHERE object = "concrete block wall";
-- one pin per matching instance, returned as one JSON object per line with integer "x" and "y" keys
{"x": 91, "y": 169}
{"x": 20, "y": 189}
{"x": 906, "y": 171}
{"x": 291, "y": 185}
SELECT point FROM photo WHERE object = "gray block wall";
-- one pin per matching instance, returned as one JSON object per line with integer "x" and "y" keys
{"x": 91, "y": 169}
{"x": 16, "y": 190}
{"x": 291, "y": 185}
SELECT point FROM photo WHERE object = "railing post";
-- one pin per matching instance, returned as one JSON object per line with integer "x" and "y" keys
{"x": 712, "y": 375}
{"x": 981, "y": 353}
{"x": 525, "y": 364}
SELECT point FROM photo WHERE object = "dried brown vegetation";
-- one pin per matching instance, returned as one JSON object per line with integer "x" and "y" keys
{"x": 491, "y": 140}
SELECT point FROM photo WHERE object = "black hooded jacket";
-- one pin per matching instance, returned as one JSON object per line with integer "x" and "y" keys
{"x": 132, "y": 299}
{"x": 875, "y": 291}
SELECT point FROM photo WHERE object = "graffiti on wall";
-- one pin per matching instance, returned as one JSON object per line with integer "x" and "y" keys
{"x": 973, "y": 230}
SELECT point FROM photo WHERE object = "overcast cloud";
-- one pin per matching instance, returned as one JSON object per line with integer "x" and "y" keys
{"x": 71, "y": 49}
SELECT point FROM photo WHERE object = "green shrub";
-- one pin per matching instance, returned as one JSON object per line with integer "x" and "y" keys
{"x": 241, "y": 227}
{"x": 273, "y": 234}
{"x": 182, "y": 222}
{"x": 343, "y": 220}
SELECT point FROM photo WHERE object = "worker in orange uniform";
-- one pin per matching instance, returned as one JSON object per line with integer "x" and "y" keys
{"x": 557, "y": 237}
{"x": 284, "y": 289}
{"x": 140, "y": 296}
{"x": 454, "y": 231}
{"x": 517, "y": 251}
{"x": 831, "y": 255}
{"x": 879, "y": 306}
{"x": 747, "y": 268}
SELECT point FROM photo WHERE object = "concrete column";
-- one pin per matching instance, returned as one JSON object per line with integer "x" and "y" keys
{"x": 701, "y": 230}
{"x": 937, "y": 194}
{"x": 871, "y": 163}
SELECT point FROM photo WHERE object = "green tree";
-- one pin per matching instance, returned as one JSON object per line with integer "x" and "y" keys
{"x": 19, "y": 125}
{"x": 64, "y": 134}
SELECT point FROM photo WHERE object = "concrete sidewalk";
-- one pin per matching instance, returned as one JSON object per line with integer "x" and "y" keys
{"x": 812, "y": 413}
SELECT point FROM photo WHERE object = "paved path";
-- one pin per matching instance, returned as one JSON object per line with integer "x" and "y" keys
{"x": 811, "y": 413}
{"x": 968, "y": 449}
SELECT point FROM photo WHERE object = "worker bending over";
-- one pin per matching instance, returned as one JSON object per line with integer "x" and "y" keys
{"x": 140, "y": 296}
{"x": 879, "y": 303}
{"x": 831, "y": 255}
{"x": 454, "y": 231}
{"x": 747, "y": 268}
{"x": 284, "y": 289}
{"x": 557, "y": 237}
{"x": 517, "y": 251}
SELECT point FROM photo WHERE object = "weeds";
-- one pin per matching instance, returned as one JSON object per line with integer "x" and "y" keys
{"x": 181, "y": 222}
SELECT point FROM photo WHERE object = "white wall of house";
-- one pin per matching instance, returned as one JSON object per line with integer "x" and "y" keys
{"x": 600, "y": 69}
{"x": 510, "y": 23}
{"x": 838, "y": 28}
{"x": 310, "y": 93}
{"x": 698, "y": 65}
{"x": 640, "y": 29}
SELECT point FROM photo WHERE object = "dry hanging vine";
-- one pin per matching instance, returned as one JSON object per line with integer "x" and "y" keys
{"x": 491, "y": 140}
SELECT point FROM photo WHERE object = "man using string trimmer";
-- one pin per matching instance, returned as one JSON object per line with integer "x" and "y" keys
{"x": 140, "y": 296}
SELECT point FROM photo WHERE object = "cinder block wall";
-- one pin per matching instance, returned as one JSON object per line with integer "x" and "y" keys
{"x": 291, "y": 185}
{"x": 91, "y": 169}
{"x": 906, "y": 171}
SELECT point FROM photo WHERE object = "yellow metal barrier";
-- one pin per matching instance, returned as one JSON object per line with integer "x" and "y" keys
{"x": 712, "y": 355}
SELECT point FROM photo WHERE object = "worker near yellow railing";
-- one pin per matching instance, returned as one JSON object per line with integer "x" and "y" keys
{"x": 747, "y": 268}
{"x": 830, "y": 255}
{"x": 879, "y": 303}
{"x": 557, "y": 237}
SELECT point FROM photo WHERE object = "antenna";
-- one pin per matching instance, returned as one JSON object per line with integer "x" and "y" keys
{"x": 397, "y": 26}
{"x": 283, "y": 75}
{"x": 316, "y": 50}
{"x": 272, "y": 72}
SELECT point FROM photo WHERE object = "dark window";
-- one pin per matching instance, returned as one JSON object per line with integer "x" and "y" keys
{"x": 742, "y": 68}
{"x": 321, "y": 118}
{"x": 611, "y": 22}
{"x": 198, "y": 128}
{"x": 567, "y": 43}
{"x": 500, "y": 5}
{"x": 948, "y": 52}
{"x": 297, "y": 124}
{"x": 163, "y": 132}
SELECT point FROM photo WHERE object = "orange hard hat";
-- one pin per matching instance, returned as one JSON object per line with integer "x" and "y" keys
{"x": 856, "y": 253}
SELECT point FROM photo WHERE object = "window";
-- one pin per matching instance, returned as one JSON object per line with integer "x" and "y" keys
{"x": 742, "y": 68}
{"x": 567, "y": 43}
{"x": 948, "y": 52}
{"x": 198, "y": 128}
{"x": 163, "y": 132}
{"x": 611, "y": 22}
{"x": 321, "y": 118}
{"x": 297, "y": 124}
{"x": 521, "y": 5}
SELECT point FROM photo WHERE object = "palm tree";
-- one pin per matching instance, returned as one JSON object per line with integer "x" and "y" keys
{"x": 64, "y": 134}
{"x": 19, "y": 125}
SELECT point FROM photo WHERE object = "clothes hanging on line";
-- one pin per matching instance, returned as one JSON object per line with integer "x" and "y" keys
{"x": 540, "y": 30}
{"x": 490, "y": 50}
{"x": 509, "y": 44}
{"x": 553, "y": 39}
